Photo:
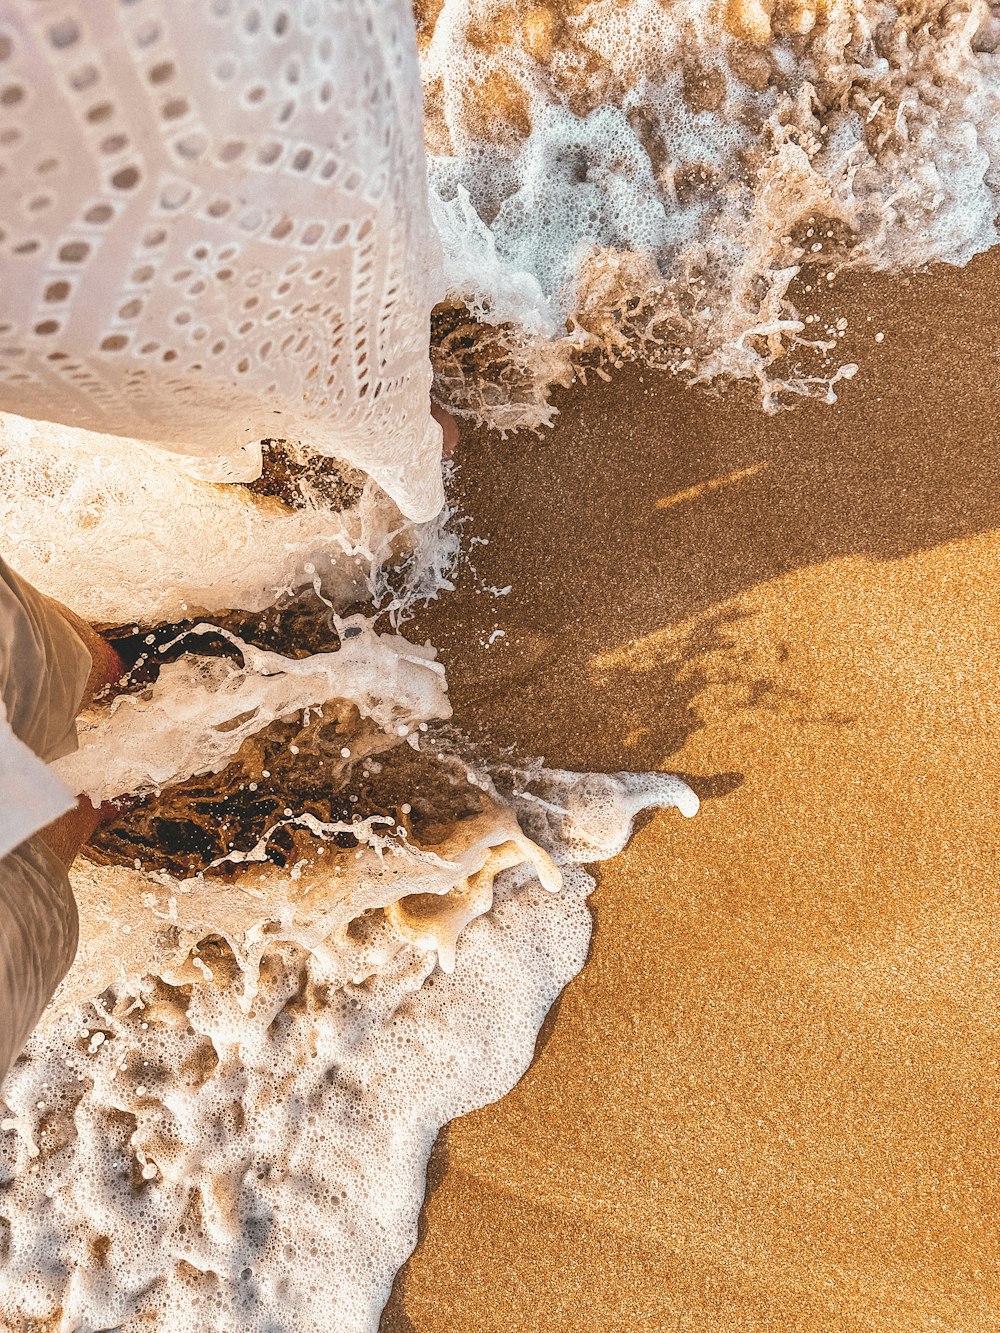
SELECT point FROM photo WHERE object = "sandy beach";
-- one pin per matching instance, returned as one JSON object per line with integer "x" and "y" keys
{"x": 767, "y": 1101}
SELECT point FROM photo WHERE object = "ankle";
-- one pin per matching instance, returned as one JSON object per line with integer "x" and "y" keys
{"x": 107, "y": 667}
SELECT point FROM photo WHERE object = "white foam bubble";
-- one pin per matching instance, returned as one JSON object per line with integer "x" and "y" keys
{"x": 639, "y": 177}
{"x": 122, "y": 531}
{"x": 168, "y": 1155}
{"x": 200, "y": 710}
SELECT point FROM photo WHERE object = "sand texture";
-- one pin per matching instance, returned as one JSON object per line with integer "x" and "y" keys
{"x": 768, "y": 1102}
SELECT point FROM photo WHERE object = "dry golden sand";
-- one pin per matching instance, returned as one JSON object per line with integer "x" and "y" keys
{"x": 767, "y": 1102}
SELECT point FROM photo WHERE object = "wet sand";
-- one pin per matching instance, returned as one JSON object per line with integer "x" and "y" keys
{"x": 767, "y": 1102}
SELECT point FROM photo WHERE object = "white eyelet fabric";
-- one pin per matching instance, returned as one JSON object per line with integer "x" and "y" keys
{"x": 214, "y": 229}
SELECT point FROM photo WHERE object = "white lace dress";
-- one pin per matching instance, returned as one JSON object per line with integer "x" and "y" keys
{"x": 214, "y": 229}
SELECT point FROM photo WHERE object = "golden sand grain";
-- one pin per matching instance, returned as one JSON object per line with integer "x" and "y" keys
{"x": 768, "y": 1101}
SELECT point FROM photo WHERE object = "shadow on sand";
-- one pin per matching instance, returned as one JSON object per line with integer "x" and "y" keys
{"x": 628, "y": 534}
{"x": 652, "y": 506}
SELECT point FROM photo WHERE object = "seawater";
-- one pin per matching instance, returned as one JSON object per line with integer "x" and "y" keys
{"x": 317, "y": 932}
{"x": 224, "y": 1119}
{"x": 679, "y": 181}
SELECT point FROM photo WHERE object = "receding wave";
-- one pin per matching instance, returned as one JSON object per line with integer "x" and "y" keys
{"x": 318, "y": 927}
{"x": 679, "y": 181}
{"x": 315, "y": 930}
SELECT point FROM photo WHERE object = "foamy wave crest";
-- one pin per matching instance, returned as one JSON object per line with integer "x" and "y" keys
{"x": 673, "y": 181}
{"x": 125, "y": 532}
{"x": 199, "y": 712}
{"x": 213, "y": 1159}
{"x": 315, "y": 932}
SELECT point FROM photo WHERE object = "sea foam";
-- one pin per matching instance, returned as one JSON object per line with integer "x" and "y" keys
{"x": 224, "y": 1119}
{"x": 679, "y": 181}
{"x": 232, "y": 1131}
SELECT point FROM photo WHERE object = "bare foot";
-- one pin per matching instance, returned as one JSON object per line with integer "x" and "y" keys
{"x": 67, "y": 834}
{"x": 449, "y": 428}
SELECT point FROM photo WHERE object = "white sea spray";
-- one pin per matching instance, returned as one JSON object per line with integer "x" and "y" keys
{"x": 173, "y": 1156}
{"x": 225, "y": 1118}
{"x": 675, "y": 181}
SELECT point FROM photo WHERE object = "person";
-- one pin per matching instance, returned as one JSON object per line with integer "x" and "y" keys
{"x": 215, "y": 230}
{"x": 52, "y": 664}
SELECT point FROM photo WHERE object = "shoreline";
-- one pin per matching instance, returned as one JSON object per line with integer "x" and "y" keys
{"x": 762, "y": 1103}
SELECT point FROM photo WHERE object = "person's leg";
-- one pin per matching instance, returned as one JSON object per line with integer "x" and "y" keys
{"x": 46, "y": 667}
{"x": 449, "y": 429}
{"x": 38, "y": 937}
{"x": 107, "y": 669}
{"x": 67, "y": 834}
{"x": 51, "y": 663}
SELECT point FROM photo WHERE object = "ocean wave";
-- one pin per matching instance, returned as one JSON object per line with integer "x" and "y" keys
{"x": 681, "y": 182}
{"x": 225, "y": 1117}
{"x": 314, "y": 933}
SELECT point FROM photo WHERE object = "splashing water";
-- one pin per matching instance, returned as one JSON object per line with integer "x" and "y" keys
{"x": 679, "y": 181}
{"x": 313, "y": 934}
{"x": 316, "y": 931}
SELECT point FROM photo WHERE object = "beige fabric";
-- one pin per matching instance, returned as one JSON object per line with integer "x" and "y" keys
{"x": 38, "y": 933}
{"x": 44, "y": 667}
